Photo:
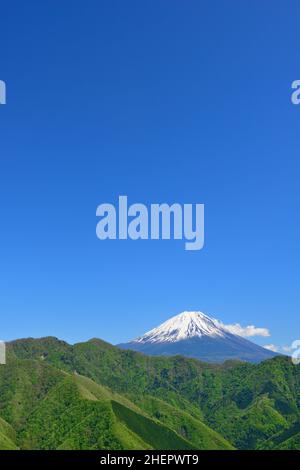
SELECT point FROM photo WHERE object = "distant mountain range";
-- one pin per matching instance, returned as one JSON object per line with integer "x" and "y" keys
{"x": 94, "y": 395}
{"x": 194, "y": 334}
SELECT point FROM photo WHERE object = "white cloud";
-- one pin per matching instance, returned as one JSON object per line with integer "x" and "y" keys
{"x": 246, "y": 331}
{"x": 287, "y": 349}
{"x": 271, "y": 347}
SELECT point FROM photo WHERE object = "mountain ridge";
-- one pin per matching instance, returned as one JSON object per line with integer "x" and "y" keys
{"x": 245, "y": 404}
{"x": 42, "y": 407}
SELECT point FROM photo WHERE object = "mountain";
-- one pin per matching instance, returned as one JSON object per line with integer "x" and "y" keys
{"x": 43, "y": 407}
{"x": 194, "y": 334}
{"x": 95, "y": 395}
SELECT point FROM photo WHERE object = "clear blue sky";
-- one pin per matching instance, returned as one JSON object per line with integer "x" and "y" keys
{"x": 167, "y": 101}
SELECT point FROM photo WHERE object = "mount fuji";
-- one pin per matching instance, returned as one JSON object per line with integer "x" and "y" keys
{"x": 196, "y": 335}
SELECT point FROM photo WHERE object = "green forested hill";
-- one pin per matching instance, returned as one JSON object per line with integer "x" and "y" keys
{"x": 94, "y": 395}
{"x": 43, "y": 407}
{"x": 7, "y": 436}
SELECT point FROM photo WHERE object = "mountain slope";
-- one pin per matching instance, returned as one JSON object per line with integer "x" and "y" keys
{"x": 184, "y": 424}
{"x": 246, "y": 403}
{"x": 59, "y": 410}
{"x": 67, "y": 420}
{"x": 7, "y": 436}
{"x": 289, "y": 439}
{"x": 194, "y": 334}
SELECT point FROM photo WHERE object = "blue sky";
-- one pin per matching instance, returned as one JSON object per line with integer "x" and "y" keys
{"x": 168, "y": 101}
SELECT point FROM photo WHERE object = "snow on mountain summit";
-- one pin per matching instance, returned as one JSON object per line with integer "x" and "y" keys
{"x": 186, "y": 325}
{"x": 196, "y": 335}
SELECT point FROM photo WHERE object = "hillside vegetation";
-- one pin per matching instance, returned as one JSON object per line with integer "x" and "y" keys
{"x": 96, "y": 396}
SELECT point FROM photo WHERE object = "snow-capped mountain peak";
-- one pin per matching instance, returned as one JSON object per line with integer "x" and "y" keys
{"x": 186, "y": 325}
{"x": 196, "y": 335}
